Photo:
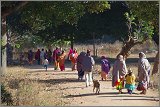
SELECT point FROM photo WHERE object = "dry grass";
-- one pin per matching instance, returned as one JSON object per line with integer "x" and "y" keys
{"x": 28, "y": 92}
{"x": 111, "y": 50}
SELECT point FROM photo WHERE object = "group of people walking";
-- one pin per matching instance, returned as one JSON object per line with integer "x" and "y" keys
{"x": 84, "y": 63}
{"x": 121, "y": 76}
{"x": 120, "y": 73}
{"x": 57, "y": 57}
{"x": 47, "y": 57}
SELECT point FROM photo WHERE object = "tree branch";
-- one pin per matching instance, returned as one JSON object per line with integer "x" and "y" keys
{"x": 8, "y": 11}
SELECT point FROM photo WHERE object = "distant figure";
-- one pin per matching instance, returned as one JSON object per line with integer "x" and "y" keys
{"x": 30, "y": 57}
{"x": 37, "y": 56}
{"x": 143, "y": 73}
{"x": 42, "y": 56}
{"x": 118, "y": 73}
{"x": 49, "y": 56}
{"x": 46, "y": 63}
{"x": 56, "y": 54}
{"x": 73, "y": 58}
{"x": 62, "y": 61}
{"x": 105, "y": 67}
{"x": 46, "y": 54}
{"x": 21, "y": 57}
{"x": 70, "y": 52}
{"x": 88, "y": 64}
{"x": 130, "y": 81}
{"x": 80, "y": 59}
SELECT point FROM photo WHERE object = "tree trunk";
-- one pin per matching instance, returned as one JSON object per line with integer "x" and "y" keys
{"x": 9, "y": 54}
{"x": 156, "y": 63}
{"x": 125, "y": 51}
{"x": 94, "y": 46}
{"x": 71, "y": 42}
{"x": 9, "y": 49}
{"x": 3, "y": 50}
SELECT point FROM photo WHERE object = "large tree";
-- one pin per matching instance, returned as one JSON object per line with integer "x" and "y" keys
{"x": 148, "y": 11}
{"x": 40, "y": 15}
{"x": 6, "y": 9}
{"x": 53, "y": 14}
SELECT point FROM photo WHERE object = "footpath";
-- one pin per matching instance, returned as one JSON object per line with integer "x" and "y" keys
{"x": 77, "y": 94}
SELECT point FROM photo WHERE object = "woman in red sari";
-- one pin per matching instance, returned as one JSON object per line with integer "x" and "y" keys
{"x": 62, "y": 60}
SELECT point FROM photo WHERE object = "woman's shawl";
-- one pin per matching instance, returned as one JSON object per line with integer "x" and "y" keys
{"x": 143, "y": 70}
{"x": 105, "y": 65}
{"x": 119, "y": 69}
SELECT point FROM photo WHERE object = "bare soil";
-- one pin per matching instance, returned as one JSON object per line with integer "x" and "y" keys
{"x": 75, "y": 93}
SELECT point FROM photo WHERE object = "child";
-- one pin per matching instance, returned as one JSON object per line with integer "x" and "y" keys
{"x": 46, "y": 63}
{"x": 130, "y": 81}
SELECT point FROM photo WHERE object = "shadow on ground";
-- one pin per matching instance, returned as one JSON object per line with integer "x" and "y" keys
{"x": 115, "y": 94}
{"x": 60, "y": 81}
{"x": 149, "y": 99}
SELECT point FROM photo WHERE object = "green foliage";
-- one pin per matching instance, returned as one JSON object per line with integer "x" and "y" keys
{"x": 6, "y": 97}
{"x": 2, "y": 42}
{"x": 110, "y": 22}
{"x": 17, "y": 45}
{"x": 7, "y": 4}
{"x": 146, "y": 31}
{"x": 146, "y": 10}
{"x": 45, "y": 19}
{"x": 140, "y": 29}
{"x": 130, "y": 17}
{"x": 57, "y": 12}
{"x": 96, "y": 6}
{"x": 61, "y": 43}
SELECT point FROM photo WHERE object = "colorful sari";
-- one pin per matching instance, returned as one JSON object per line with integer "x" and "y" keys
{"x": 118, "y": 73}
{"x": 73, "y": 58}
{"x": 120, "y": 84}
{"x": 61, "y": 61}
{"x": 105, "y": 67}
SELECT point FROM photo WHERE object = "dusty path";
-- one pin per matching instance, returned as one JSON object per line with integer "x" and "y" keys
{"x": 77, "y": 94}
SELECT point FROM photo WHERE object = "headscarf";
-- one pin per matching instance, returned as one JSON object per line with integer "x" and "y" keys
{"x": 88, "y": 52}
{"x": 142, "y": 55}
{"x": 130, "y": 70}
{"x": 120, "y": 57}
{"x": 103, "y": 57}
{"x": 83, "y": 53}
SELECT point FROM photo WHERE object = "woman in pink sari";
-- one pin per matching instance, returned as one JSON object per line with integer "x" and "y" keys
{"x": 70, "y": 52}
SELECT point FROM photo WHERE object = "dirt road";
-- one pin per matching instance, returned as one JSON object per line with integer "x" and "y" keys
{"x": 77, "y": 94}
